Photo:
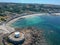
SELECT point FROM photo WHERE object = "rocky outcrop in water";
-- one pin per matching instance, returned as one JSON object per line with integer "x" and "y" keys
{"x": 34, "y": 36}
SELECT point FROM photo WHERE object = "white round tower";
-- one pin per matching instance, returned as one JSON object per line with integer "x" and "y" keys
{"x": 17, "y": 34}
{"x": 16, "y": 37}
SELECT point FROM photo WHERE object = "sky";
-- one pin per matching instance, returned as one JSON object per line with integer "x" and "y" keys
{"x": 56, "y": 2}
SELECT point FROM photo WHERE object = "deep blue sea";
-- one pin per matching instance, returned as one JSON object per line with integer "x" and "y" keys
{"x": 50, "y": 24}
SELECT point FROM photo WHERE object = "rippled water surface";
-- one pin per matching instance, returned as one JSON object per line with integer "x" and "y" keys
{"x": 50, "y": 24}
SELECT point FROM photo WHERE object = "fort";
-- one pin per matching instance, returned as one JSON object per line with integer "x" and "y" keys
{"x": 16, "y": 37}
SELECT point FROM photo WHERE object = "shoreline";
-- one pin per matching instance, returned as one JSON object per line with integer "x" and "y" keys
{"x": 13, "y": 20}
{"x": 7, "y": 26}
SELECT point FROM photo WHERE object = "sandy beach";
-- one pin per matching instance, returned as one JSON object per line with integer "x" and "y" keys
{"x": 58, "y": 14}
{"x": 12, "y": 21}
{"x": 7, "y": 28}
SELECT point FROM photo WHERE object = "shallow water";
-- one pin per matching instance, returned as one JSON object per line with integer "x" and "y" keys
{"x": 50, "y": 24}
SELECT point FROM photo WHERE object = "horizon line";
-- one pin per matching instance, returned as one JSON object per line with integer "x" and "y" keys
{"x": 28, "y": 3}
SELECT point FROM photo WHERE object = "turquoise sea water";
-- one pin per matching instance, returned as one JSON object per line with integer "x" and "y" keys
{"x": 50, "y": 24}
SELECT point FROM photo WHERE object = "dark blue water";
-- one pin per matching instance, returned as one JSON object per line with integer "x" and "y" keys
{"x": 50, "y": 24}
